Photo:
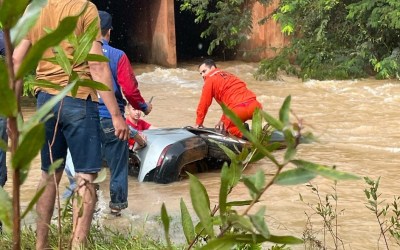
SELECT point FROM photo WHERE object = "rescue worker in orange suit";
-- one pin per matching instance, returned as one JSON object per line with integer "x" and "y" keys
{"x": 227, "y": 89}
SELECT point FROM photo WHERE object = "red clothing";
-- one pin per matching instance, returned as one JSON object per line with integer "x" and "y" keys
{"x": 140, "y": 126}
{"x": 227, "y": 89}
{"x": 129, "y": 85}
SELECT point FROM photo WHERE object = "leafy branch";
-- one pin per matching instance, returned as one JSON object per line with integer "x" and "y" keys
{"x": 246, "y": 228}
{"x": 27, "y": 137}
{"x": 391, "y": 225}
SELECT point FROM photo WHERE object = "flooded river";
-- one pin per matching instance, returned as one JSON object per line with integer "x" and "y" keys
{"x": 356, "y": 123}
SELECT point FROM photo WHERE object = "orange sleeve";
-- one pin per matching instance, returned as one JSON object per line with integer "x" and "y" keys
{"x": 89, "y": 16}
{"x": 205, "y": 102}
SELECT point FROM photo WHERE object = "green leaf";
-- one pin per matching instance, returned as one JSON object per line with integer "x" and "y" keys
{"x": 259, "y": 179}
{"x": 101, "y": 176}
{"x": 27, "y": 21}
{"x": 73, "y": 79}
{"x": 165, "y": 221}
{"x": 226, "y": 150}
{"x": 53, "y": 60}
{"x": 308, "y": 138}
{"x": 241, "y": 222}
{"x": 201, "y": 204}
{"x": 228, "y": 241}
{"x": 93, "y": 84}
{"x": 259, "y": 222}
{"x": 63, "y": 60}
{"x": 223, "y": 190}
{"x": 5, "y": 209}
{"x": 238, "y": 123}
{"x": 256, "y": 124}
{"x": 257, "y": 156}
{"x": 45, "y": 84}
{"x": 238, "y": 203}
{"x": 236, "y": 120}
{"x": 248, "y": 238}
{"x": 294, "y": 177}
{"x": 243, "y": 156}
{"x": 278, "y": 125}
{"x": 34, "y": 55}
{"x": 284, "y": 111}
{"x": 249, "y": 182}
{"x": 220, "y": 244}
{"x": 8, "y": 105}
{"x": 271, "y": 147}
{"x": 55, "y": 165}
{"x": 235, "y": 173}
{"x": 325, "y": 171}
{"x": 11, "y": 11}
{"x": 30, "y": 145}
{"x": 290, "y": 154}
{"x": 187, "y": 223}
{"x": 73, "y": 40}
{"x": 45, "y": 109}
{"x": 86, "y": 42}
{"x": 230, "y": 176}
{"x": 96, "y": 58}
{"x": 33, "y": 202}
{"x": 255, "y": 183}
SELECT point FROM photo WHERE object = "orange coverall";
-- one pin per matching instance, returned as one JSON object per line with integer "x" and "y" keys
{"x": 227, "y": 89}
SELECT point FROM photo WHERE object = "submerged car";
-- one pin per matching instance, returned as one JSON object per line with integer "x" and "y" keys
{"x": 172, "y": 151}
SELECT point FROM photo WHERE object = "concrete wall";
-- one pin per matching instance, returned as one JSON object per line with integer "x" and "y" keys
{"x": 153, "y": 38}
{"x": 154, "y": 32}
{"x": 266, "y": 39}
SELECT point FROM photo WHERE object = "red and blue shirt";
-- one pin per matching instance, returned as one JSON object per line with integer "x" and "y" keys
{"x": 124, "y": 82}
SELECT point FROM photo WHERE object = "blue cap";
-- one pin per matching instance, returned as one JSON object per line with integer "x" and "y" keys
{"x": 105, "y": 20}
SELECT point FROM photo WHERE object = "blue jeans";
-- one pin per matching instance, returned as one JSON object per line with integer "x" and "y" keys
{"x": 70, "y": 171}
{"x": 115, "y": 151}
{"x": 3, "y": 136}
{"x": 78, "y": 129}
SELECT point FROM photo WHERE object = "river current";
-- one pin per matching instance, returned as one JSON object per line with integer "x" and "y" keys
{"x": 355, "y": 121}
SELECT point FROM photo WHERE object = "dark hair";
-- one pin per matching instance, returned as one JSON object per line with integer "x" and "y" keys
{"x": 209, "y": 63}
{"x": 104, "y": 32}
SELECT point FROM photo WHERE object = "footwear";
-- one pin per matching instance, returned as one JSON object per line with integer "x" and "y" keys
{"x": 116, "y": 212}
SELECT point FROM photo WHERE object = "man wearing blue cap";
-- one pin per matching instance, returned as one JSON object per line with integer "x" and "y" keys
{"x": 74, "y": 121}
{"x": 115, "y": 151}
{"x": 3, "y": 130}
{"x": 125, "y": 84}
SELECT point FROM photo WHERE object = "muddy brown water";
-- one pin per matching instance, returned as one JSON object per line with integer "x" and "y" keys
{"x": 358, "y": 130}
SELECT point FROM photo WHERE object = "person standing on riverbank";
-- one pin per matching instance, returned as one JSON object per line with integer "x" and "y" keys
{"x": 125, "y": 84}
{"x": 75, "y": 123}
{"x": 3, "y": 127}
{"x": 226, "y": 89}
{"x": 115, "y": 152}
{"x": 3, "y": 131}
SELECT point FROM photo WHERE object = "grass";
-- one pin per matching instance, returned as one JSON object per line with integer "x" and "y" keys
{"x": 101, "y": 237}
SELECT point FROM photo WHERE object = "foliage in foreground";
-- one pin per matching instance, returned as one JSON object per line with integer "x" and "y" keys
{"x": 100, "y": 237}
{"x": 387, "y": 215}
{"x": 326, "y": 209}
{"x": 27, "y": 137}
{"x": 221, "y": 226}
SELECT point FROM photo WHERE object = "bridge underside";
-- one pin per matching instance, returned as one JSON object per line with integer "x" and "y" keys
{"x": 157, "y": 32}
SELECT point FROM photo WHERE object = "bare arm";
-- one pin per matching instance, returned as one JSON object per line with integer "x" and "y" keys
{"x": 101, "y": 72}
{"x": 18, "y": 56}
